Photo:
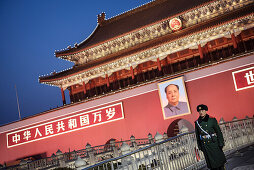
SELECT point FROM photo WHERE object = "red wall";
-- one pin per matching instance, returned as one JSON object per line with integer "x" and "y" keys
{"x": 143, "y": 115}
{"x": 218, "y": 92}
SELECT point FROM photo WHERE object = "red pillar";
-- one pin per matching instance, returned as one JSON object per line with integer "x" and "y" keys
{"x": 200, "y": 51}
{"x": 71, "y": 90}
{"x": 168, "y": 60}
{"x": 84, "y": 87}
{"x": 70, "y": 93}
{"x": 63, "y": 96}
{"x": 117, "y": 75}
{"x": 177, "y": 54}
{"x": 169, "y": 63}
{"x": 132, "y": 72}
{"x": 158, "y": 64}
{"x": 107, "y": 80}
{"x": 234, "y": 40}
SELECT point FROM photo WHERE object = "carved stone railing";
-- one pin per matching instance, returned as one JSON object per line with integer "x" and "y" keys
{"x": 177, "y": 153}
{"x": 90, "y": 155}
{"x": 180, "y": 152}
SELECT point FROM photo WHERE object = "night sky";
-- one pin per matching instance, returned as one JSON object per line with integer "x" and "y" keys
{"x": 30, "y": 32}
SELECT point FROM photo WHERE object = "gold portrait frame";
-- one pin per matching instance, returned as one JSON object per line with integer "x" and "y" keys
{"x": 183, "y": 97}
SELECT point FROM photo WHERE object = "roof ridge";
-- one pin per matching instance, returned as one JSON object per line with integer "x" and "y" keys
{"x": 150, "y": 4}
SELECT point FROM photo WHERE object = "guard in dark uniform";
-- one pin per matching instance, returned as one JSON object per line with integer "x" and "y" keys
{"x": 210, "y": 139}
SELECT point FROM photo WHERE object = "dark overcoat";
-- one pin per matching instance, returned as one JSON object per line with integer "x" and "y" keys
{"x": 211, "y": 147}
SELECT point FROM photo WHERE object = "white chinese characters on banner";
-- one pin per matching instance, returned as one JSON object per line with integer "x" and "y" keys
{"x": 27, "y": 134}
{"x": 84, "y": 120}
{"x": 37, "y": 133}
{"x": 16, "y": 138}
{"x": 49, "y": 129}
{"x": 110, "y": 113}
{"x": 244, "y": 78}
{"x": 60, "y": 126}
{"x": 72, "y": 123}
{"x": 95, "y": 115}
{"x": 77, "y": 121}
{"x": 250, "y": 77}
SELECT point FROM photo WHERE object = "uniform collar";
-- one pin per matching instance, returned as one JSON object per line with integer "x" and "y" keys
{"x": 205, "y": 119}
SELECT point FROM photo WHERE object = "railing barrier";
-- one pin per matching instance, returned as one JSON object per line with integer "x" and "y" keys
{"x": 160, "y": 153}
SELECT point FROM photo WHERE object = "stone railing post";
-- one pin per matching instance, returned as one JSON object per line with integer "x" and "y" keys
{"x": 150, "y": 138}
{"x": 80, "y": 163}
{"x": 230, "y": 135}
{"x": 165, "y": 135}
{"x": 225, "y": 134}
{"x": 60, "y": 158}
{"x": 236, "y": 131}
{"x": 158, "y": 137}
{"x": 247, "y": 132}
{"x": 53, "y": 159}
{"x": 250, "y": 130}
{"x": 236, "y": 137}
{"x": 23, "y": 164}
{"x": 193, "y": 149}
{"x": 125, "y": 148}
{"x": 115, "y": 150}
{"x": 90, "y": 154}
{"x": 161, "y": 150}
{"x": 133, "y": 141}
{"x": 186, "y": 146}
{"x": 221, "y": 121}
{"x": 74, "y": 155}
{"x": 184, "y": 129}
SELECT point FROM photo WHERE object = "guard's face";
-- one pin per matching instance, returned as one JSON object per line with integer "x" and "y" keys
{"x": 172, "y": 95}
{"x": 202, "y": 113}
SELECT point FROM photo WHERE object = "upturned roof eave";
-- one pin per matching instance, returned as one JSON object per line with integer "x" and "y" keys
{"x": 82, "y": 47}
{"x": 186, "y": 32}
{"x": 67, "y": 51}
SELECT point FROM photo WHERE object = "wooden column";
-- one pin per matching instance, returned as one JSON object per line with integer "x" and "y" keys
{"x": 118, "y": 76}
{"x": 234, "y": 40}
{"x": 89, "y": 92}
{"x": 169, "y": 63}
{"x": 63, "y": 96}
{"x": 241, "y": 39}
{"x": 200, "y": 51}
{"x": 71, "y": 94}
{"x": 178, "y": 55}
{"x": 84, "y": 87}
{"x": 168, "y": 60}
{"x": 158, "y": 64}
{"x": 205, "y": 49}
{"x": 132, "y": 73}
{"x": 107, "y": 80}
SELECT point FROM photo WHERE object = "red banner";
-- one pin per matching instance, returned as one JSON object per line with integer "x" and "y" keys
{"x": 243, "y": 79}
{"x": 78, "y": 121}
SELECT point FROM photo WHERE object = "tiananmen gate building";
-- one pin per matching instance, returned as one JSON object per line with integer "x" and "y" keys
{"x": 121, "y": 71}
